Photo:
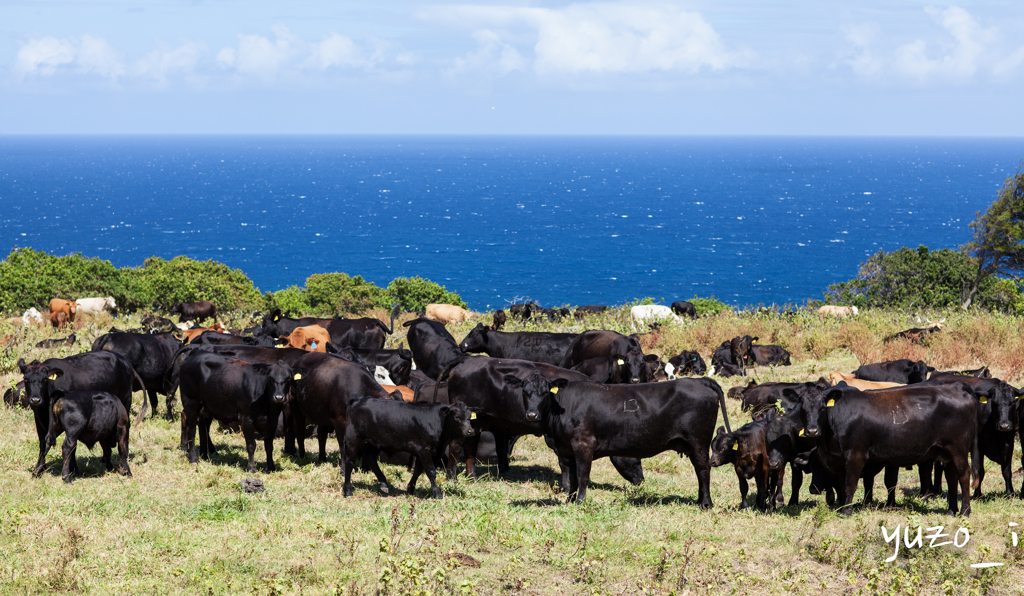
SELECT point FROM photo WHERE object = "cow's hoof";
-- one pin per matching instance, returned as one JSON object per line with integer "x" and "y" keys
{"x": 67, "y": 479}
{"x": 346, "y": 493}
{"x": 384, "y": 488}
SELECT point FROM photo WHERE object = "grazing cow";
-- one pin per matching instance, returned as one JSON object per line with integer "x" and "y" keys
{"x": 522, "y": 311}
{"x": 838, "y": 311}
{"x": 424, "y": 430}
{"x": 589, "y": 309}
{"x": 59, "y": 319}
{"x": 447, "y": 313}
{"x": 584, "y": 421}
{"x": 631, "y": 367}
{"x": 232, "y": 392}
{"x": 769, "y": 355}
{"x": 60, "y": 342}
{"x": 324, "y": 385}
{"x": 366, "y": 333}
{"x": 916, "y": 335}
{"x": 684, "y": 309}
{"x": 747, "y": 450}
{"x": 897, "y": 371}
{"x": 499, "y": 390}
{"x": 650, "y": 313}
{"x": 195, "y": 311}
{"x": 90, "y": 417}
{"x": 498, "y": 320}
{"x": 91, "y": 371}
{"x": 532, "y": 346}
{"x": 313, "y": 338}
{"x": 151, "y": 356}
{"x": 31, "y": 315}
{"x": 837, "y": 377}
{"x": 434, "y": 350}
{"x": 68, "y": 307}
{"x": 95, "y": 306}
{"x": 685, "y": 363}
{"x": 896, "y": 427}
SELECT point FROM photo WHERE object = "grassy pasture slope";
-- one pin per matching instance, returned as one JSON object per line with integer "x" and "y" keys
{"x": 176, "y": 529}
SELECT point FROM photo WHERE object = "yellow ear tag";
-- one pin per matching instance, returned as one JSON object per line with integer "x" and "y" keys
{"x": 802, "y": 433}
{"x": 830, "y": 403}
{"x": 52, "y": 377}
{"x": 276, "y": 319}
{"x": 621, "y": 361}
{"x": 1016, "y": 397}
{"x": 472, "y": 415}
{"x": 735, "y": 446}
{"x": 554, "y": 390}
{"x": 983, "y": 400}
{"x": 297, "y": 376}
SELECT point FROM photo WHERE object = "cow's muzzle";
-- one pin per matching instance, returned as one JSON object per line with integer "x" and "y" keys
{"x": 812, "y": 432}
{"x": 280, "y": 399}
{"x": 634, "y": 380}
{"x": 533, "y": 416}
{"x": 1005, "y": 426}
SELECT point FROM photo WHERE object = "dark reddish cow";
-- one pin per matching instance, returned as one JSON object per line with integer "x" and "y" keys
{"x": 197, "y": 311}
{"x": 747, "y": 450}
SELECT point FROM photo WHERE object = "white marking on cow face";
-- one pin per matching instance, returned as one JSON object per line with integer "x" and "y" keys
{"x": 382, "y": 376}
{"x": 670, "y": 371}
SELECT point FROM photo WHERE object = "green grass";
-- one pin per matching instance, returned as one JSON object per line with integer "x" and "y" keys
{"x": 177, "y": 528}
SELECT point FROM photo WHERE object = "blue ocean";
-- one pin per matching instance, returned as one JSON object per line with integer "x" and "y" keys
{"x": 561, "y": 220}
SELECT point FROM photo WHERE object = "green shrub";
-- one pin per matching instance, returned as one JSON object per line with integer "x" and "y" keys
{"x": 415, "y": 293}
{"x": 338, "y": 294}
{"x": 290, "y": 300}
{"x": 183, "y": 279}
{"x": 31, "y": 278}
{"x": 709, "y": 307}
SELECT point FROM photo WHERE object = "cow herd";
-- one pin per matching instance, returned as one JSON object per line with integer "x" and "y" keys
{"x": 591, "y": 395}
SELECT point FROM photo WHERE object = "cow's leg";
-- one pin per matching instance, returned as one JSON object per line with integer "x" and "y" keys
{"x": 321, "y": 437}
{"x": 370, "y": 457}
{"x": 249, "y": 433}
{"x": 501, "y": 449}
{"x": 469, "y": 446}
{"x": 574, "y": 478}
{"x": 744, "y": 488}
{"x": 189, "y": 422}
{"x": 702, "y": 467}
{"x": 796, "y": 482}
{"x": 122, "y": 448}
{"x": 46, "y": 440}
{"x": 979, "y": 475}
{"x": 892, "y": 475}
{"x": 937, "y": 479}
{"x": 761, "y": 484}
{"x": 417, "y": 468}
{"x": 171, "y": 400}
{"x": 924, "y": 475}
{"x": 427, "y": 462}
{"x": 347, "y": 445}
{"x": 205, "y": 445}
{"x": 1007, "y": 468}
{"x": 68, "y": 451}
{"x": 854, "y": 467}
{"x": 108, "y": 451}
{"x": 268, "y": 437}
{"x": 289, "y": 430}
{"x": 298, "y": 420}
{"x": 960, "y": 464}
{"x": 775, "y": 480}
{"x": 584, "y": 456}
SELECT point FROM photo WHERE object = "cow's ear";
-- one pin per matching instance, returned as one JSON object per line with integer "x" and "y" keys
{"x": 831, "y": 397}
{"x": 513, "y": 380}
{"x": 558, "y": 384}
{"x": 261, "y": 369}
{"x": 619, "y": 359}
{"x": 55, "y": 373}
{"x": 721, "y": 429}
{"x": 299, "y": 373}
{"x": 651, "y": 358}
{"x": 445, "y": 411}
{"x": 753, "y": 339}
{"x": 404, "y": 354}
{"x": 22, "y": 365}
{"x": 331, "y": 348}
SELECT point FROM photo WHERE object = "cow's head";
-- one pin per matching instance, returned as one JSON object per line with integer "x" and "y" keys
{"x": 1002, "y": 401}
{"x": 917, "y": 372}
{"x": 273, "y": 381}
{"x": 476, "y": 341}
{"x": 630, "y": 367}
{"x": 535, "y": 390}
{"x": 458, "y": 420}
{"x": 38, "y": 379}
{"x": 742, "y": 355}
{"x": 72, "y": 308}
{"x": 813, "y": 401}
{"x": 723, "y": 447}
{"x": 693, "y": 363}
{"x": 781, "y": 436}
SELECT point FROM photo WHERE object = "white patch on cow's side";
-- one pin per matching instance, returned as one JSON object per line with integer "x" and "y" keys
{"x": 670, "y": 371}
{"x": 182, "y": 326}
{"x": 382, "y": 376}
{"x": 414, "y": 364}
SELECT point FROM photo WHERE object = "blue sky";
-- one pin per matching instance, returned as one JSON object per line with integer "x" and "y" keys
{"x": 815, "y": 67}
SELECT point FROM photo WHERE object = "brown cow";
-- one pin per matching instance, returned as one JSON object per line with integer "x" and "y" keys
{"x": 407, "y": 394}
{"x": 190, "y": 334}
{"x": 313, "y": 338}
{"x": 68, "y": 307}
{"x": 59, "y": 319}
{"x": 447, "y": 313}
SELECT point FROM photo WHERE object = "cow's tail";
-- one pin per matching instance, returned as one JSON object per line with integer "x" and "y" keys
{"x": 171, "y": 376}
{"x": 721, "y": 402}
{"x": 139, "y": 385}
{"x": 100, "y": 342}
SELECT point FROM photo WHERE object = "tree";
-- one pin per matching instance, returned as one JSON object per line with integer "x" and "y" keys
{"x": 998, "y": 243}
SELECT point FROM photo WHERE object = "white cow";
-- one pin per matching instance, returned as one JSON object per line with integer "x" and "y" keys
{"x": 95, "y": 306}
{"x": 838, "y": 311}
{"x": 31, "y": 315}
{"x": 649, "y": 313}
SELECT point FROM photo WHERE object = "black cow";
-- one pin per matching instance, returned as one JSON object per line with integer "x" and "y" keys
{"x": 552, "y": 314}
{"x": 324, "y": 385}
{"x": 497, "y": 389}
{"x": 981, "y": 373}
{"x": 90, "y": 417}
{"x": 896, "y": 371}
{"x": 631, "y": 367}
{"x": 424, "y": 430}
{"x": 275, "y": 324}
{"x": 15, "y": 396}
{"x": 589, "y": 309}
{"x": 584, "y": 421}
{"x": 895, "y": 427}
{"x": 742, "y": 356}
{"x": 596, "y": 344}
{"x": 758, "y": 398}
{"x": 91, "y": 371}
{"x": 216, "y": 338}
{"x": 366, "y": 333}
{"x": 522, "y": 310}
{"x": 153, "y": 322}
{"x": 914, "y": 335}
{"x": 686, "y": 363}
{"x": 725, "y": 362}
{"x": 746, "y": 448}
{"x": 768, "y": 355}
{"x": 498, "y": 320}
{"x": 60, "y": 342}
{"x": 194, "y": 311}
{"x": 683, "y": 308}
{"x": 525, "y": 345}
{"x": 151, "y": 356}
{"x": 434, "y": 350}
{"x": 232, "y": 391}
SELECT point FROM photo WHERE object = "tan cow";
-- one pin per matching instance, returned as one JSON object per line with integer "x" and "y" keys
{"x": 837, "y": 377}
{"x": 447, "y": 313}
{"x": 68, "y": 307}
{"x": 190, "y": 334}
{"x": 313, "y": 338}
{"x": 838, "y": 311}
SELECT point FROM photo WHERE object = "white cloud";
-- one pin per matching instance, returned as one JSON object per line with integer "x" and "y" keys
{"x": 493, "y": 56}
{"x": 43, "y": 56}
{"x": 164, "y": 62}
{"x": 862, "y": 60}
{"x": 603, "y": 37}
{"x": 95, "y": 55}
